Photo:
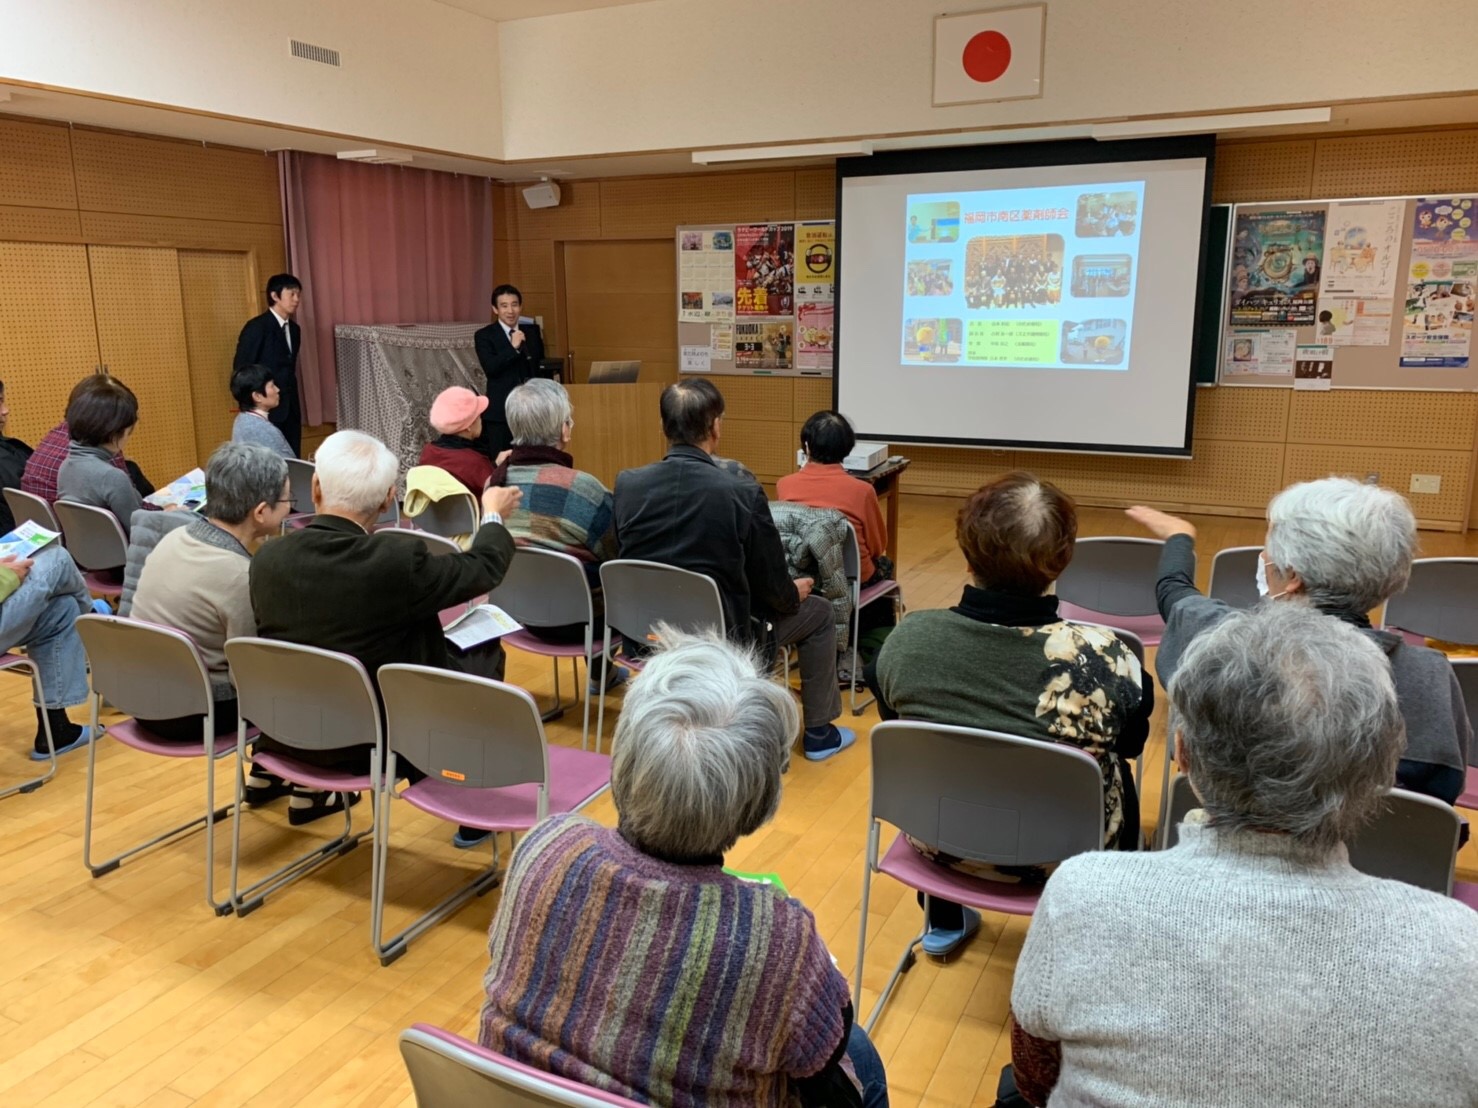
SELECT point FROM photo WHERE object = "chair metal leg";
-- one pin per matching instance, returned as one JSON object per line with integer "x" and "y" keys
{"x": 905, "y": 963}
{"x": 852, "y": 688}
{"x": 600, "y": 718}
{"x": 40, "y": 698}
{"x": 862, "y": 928}
{"x": 589, "y": 673}
{"x": 557, "y": 710}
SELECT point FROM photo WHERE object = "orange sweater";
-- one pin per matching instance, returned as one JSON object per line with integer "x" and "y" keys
{"x": 831, "y": 486}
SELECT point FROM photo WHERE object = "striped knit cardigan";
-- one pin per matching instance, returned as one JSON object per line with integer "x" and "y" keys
{"x": 664, "y": 983}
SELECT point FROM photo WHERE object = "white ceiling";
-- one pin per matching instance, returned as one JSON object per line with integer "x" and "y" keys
{"x": 504, "y": 10}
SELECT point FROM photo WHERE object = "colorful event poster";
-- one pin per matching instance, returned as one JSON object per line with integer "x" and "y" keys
{"x": 705, "y": 276}
{"x": 1348, "y": 322}
{"x": 814, "y": 331}
{"x": 1276, "y": 266}
{"x": 764, "y": 269}
{"x": 815, "y": 268}
{"x": 1260, "y": 353}
{"x": 1437, "y": 323}
{"x": 1362, "y": 247}
{"x": 762, "y": 345}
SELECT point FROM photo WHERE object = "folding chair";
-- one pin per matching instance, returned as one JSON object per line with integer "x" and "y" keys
{"x": 300, "y": 487}
{"x": 450, "y": 516}
{"x": 861, "y": 597}
{"x": 980, "y": 795}
{"x": 1413, "y": 839}
{"x": 10, "y": 661}
{"x": 309, "y": 699}
{"x": 448, "y": 1071}
{"x": 1440, "y": 602}
{"x": 152, "y": 672}
{"x": 544, "y": 588}
{"x": 1232, "y": 579}
{"x": 432, "y": 544}
{"x": 1467, "y": 679}
{"x": 1179, "y": 799}
{"x": 640, "y": 595}
{"x": 487, "y": 765}
{"x": 28, "y": 508}
{"x": 1111, "y": 580}
{"x": 95, "y": 541}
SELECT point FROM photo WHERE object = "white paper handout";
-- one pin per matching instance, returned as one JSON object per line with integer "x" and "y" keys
{"x": 187, "y": 491}
{"x": 481, "y": 624}
{"x": 26, "y": 539}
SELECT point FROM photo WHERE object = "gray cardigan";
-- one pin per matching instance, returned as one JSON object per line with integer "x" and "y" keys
{"x": 259, "y": 432}
{"x": 88, "y": 476}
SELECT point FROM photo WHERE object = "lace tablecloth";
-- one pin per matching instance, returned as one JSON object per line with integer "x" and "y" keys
{"x": 389, "y": 374}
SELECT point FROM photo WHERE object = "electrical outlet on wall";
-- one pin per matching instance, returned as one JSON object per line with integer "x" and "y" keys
{"x": 1426, "y": 482}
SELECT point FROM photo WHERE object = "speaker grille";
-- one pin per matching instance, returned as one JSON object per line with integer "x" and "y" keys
{"x": 320, "y": 54}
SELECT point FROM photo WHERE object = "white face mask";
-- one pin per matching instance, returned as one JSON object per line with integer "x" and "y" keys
{"x": 1260, "y": 572}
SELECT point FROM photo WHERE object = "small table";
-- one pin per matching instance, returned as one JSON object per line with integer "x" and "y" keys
{"x": 884, "y": 478}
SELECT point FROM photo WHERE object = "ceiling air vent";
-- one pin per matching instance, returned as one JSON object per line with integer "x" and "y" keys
{"x": 320, "y": 54}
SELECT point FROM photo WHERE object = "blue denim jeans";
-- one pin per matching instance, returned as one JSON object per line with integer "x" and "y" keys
{"x": 869, "y": 1069}
{"x": 41, "y": 615}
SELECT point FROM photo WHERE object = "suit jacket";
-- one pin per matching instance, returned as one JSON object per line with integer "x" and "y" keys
{"x": 686, "y": 511}
{"x": 261, "y": 343}
{"x": 332, "y": 586}
{"x": 506, "y": 369}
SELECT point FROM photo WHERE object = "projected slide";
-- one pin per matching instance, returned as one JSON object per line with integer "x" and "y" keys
{"x": 1029, "y": 277}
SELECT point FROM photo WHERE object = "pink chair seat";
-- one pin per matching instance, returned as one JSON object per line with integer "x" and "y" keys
{"x": 869, "y": 593}
{"x": 101, "y": 584}
{"x": 907, "y": 865}
{"x": 7, "y": 659}
{"x": 532, "y": 644}
{"x": 1150, "y": 628}
{"x": 1466, "y": 892}
{"x": 130, "y": 733}
{"x": 1469, "y": 797}
{"x": 574, "y": 777}
{"x": 541, "y": 1077}
{"x": 311, "y": 777}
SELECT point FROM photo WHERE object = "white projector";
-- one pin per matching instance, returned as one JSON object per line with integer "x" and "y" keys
{"x": 866, "y": 456}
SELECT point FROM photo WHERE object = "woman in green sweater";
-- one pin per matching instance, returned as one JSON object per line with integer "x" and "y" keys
{"x": 1003, "y": 660}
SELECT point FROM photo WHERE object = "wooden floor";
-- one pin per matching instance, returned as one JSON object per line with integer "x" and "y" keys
{"x": 128, "y": 991}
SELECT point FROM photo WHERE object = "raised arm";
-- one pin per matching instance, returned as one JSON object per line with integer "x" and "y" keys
{"x": 1177, "y": 573}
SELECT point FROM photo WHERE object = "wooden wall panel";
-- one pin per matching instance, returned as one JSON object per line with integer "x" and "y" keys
{"x": 651, "y": 207}
{"x": 1419, "y": 420}
{"x": 621, "y": 300}
{"x": 218, "y": 291}
{"x": 154, "y": 176}
{"x": 1243, "y": 415}
{"x": 1423, "y": 163}
{"x": 1447, "y": 508}
{"x": 1248, "y": 171}
{"x": 40, "y": 225}
{"x": 616, "y": 427}
{"x": 36, "y": 165}
{"x": 816, "y": 193}
{"x": 812, "y": 395}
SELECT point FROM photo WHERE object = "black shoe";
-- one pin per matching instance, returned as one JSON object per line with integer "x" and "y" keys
{"x": 263, "y": 787}
{"x": 316, "y": 806}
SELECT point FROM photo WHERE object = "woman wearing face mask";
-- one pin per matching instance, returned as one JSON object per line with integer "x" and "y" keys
{"x": 1344, "y": 548}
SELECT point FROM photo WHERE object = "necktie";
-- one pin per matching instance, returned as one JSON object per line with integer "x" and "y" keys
{"x": 287, "y": 337}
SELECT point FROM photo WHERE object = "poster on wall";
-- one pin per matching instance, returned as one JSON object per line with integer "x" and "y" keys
{"x": 1345, "y": 321}
{"x": 813, "y": 335}
{"x": 1276, "y": 266}
{"x": 705, "y": 276}
{"x": 762, "y": 345}
{"x": 764, "y": 269}
{"x": 1313, "y": 368}
{"x": 815, "y": 252}
{"x": 1362, "y": 247}
{"x": 1437, "y": 322}
{"x": 1260, "y": 353}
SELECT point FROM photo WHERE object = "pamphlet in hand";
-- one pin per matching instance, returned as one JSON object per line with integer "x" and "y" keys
{"x": 25, "y": 540}
{"x": 483, "y": 623}
{"x": 186, "y": 492}
{"x": 772, "y": 879}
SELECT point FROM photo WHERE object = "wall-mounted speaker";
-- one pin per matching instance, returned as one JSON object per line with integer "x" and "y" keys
{"x": 543, "y": 195}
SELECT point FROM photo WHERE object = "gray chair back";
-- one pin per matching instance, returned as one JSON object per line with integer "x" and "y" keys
{"x": 29, "y": 508}
{"x": 640, "y": 595}
{"x": 544, "y": 588}
{"x": 1182, "y": 800}
{"x": 450, "y": 516}
{"x": 1232, "y": 579}
{"x": 463, "y": 730}
{"x": 300, "y": 484}
{"x": 144, "y": 670}
{"x": 1467, "y": 680}
{"x": 432, "y": 544}
{"x": 1441, "y": 601}
{"x": 1112, "y": 574}
{"x": 851, "y": 556}
{"x": 94, "y": 537}
{"x": 1414, "y": 839}
{"x": 986, "y": 796}
{"x": 302, "y": 696}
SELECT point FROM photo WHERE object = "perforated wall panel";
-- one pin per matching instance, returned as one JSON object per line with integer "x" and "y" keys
{"x": 766, "y": 448}
{"x": 1394, "y": 468}
{"x": 1248, "y": 171}
{"x": 576, "y": 217}
{"x": 1243, "y": 415}
{"x": 815, "y": 193}
{"x": 39, "y": 225}
{"x": 1422, "y": 163}
{"x": 757, "y": 398}
{"x": 812, "y": 394}
{"x": 147, "y": 176}
{"x": 1420, "y": 420}
{"x": 650, "y": 207}
{"x": 36, "y": 165}
{"x": 218, "y": 293}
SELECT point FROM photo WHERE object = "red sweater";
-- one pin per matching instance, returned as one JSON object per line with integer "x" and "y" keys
{"x": 821, "y": 486}
{"x": 461, "y": 458}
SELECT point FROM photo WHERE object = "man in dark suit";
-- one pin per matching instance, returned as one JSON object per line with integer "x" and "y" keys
{"x": 338, "y": 586}
{"x": 510, "y": 353}
{"x": 687, "y": 511}
{"x": 273, "y": 339}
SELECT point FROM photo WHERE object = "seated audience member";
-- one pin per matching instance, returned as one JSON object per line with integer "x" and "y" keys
{"x": 195, "y": 579}
{"x": 337, "y": 586}
{"x": 456, "y": 417}
{"x": 1345, "y": 548}
{"x": 1004, "y": 660}
{"x": 256, "y": 395}
{"x": 13, "y": 457}
{"x": 826, "y": 439}
{"x": 40, "y": 600}
{"x": 685, "y": 511}
{"x": 100, "y": 422}
{"x": 698, "y": 756}
{"x": 1252, "y": 965}
{"x": 40, "y": 475}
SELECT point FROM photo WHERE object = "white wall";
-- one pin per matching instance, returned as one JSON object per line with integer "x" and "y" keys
{"x": 415, "y": 71}
{"x": 694, "y": 73}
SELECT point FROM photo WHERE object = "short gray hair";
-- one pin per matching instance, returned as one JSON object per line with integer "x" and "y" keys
{"x": 238, "y": 477}
{"x": 1290, "y": 723}
{"x": 700, "y": 746}
{"x": 1350, "y": 543}
{"x": 355, "y": 471}
{"x": 537, "y": 411}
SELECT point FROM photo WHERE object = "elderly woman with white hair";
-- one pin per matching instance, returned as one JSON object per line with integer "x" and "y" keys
{"x": 1344, "y": 548}
{"x": 1252, "y": 965}
{"x": 627, "y": 958}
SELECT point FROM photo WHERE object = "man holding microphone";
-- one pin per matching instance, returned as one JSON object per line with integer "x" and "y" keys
{"x": 510, "y": 353}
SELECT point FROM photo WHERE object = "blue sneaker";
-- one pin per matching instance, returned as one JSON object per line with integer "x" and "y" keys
{"x": 102, "y": 607}
{"x": 617, "y": 677}
{"x": 468, "y": 837}
{"x": 76, "y": 744}
{"x": 836, "y": 740}
{"x": 940, "y": 942}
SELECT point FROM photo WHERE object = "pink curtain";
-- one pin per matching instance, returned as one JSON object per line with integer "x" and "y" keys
{"x": 379, "y": 244}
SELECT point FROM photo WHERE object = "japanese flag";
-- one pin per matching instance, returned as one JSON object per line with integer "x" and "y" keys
{"x": 991, "y": 55}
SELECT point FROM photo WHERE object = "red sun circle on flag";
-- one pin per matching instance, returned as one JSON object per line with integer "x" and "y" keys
{"x": 987, "y": 55}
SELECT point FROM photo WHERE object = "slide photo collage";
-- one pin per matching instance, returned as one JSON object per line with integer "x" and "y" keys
{"x": 1038, "y": 277}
